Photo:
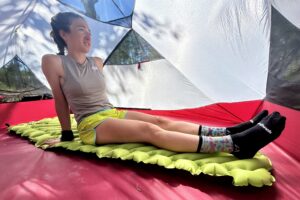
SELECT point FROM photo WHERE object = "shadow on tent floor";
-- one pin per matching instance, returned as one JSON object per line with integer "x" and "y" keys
{"x": 28, "y": 172}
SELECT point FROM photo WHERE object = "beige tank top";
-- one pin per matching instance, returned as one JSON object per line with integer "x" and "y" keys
{"x": 84, "y": 87}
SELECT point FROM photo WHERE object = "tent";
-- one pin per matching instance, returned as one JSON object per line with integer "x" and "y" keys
{"x": 210, "y": 62}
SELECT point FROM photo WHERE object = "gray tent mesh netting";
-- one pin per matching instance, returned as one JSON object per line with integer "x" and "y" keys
{"x": 18, "y": 83}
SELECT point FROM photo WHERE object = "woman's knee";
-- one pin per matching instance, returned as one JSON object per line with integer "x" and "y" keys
{"x": 162, "y": 122}
{"x": 113, "y": 130}
{"x": 151, "y": 131}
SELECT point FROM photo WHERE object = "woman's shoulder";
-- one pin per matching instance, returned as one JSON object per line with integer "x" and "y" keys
{"x": 50, "y": 57}
{"x": 51, "y": 61}
{"x": 98, "y": 61}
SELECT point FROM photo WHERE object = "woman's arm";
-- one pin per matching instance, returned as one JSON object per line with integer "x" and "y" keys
{"x": 53, "y": 70}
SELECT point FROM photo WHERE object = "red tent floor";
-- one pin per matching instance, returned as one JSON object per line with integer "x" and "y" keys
{"x": 27, "y": 172}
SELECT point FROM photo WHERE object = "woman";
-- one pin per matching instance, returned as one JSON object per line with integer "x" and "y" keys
{"x": 77, "y": 81}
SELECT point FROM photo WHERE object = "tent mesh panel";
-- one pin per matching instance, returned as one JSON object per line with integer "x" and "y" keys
{"x": 114, "y": 12}
{"x": 283, "y": 86}
{"x": 18, "y": 81}
{"x": 132, "y": 49}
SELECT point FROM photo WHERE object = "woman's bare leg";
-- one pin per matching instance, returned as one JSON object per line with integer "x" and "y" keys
{"x": 164, "y": 123}
{"x": 242, "y": 145}
{"x": 124, "y": 131}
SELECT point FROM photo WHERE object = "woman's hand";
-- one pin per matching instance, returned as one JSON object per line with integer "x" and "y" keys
{"x": 51, "y": 142}
{"x": 66, "y": 135}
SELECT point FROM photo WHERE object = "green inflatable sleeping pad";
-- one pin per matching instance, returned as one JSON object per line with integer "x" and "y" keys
{"x": 254, "y": 172}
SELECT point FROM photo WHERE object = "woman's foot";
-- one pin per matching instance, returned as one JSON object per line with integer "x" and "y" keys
{"x": 246, "y": 125}
{"x": 250, "y": 141}
{"x": 222, "y": 131}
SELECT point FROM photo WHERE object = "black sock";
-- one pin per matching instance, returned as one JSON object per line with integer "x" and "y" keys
{"x": 246, "y": 125}
{"x": 248, "y": 142}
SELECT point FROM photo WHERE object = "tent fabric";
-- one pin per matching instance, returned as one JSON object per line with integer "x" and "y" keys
{"x": 150, "y": 86}
{"x": 221, "y": 47}
{"x": 283, "y": 85}
{"x": 37, "y": 173}
{"x": 225, "y": 64}
{"x": 248, "y": 172}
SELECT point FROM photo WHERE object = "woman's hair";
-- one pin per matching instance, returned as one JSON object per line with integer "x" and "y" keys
{"x": 62, "y": 21}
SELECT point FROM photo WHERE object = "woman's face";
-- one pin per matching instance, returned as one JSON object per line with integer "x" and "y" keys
{"x": 79, "y": 37}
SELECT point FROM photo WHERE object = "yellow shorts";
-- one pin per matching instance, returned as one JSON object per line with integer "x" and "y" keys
{"x": 87, "y": 126}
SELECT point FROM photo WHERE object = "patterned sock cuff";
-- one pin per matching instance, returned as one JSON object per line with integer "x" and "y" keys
{"x": 216, "y": 144}
{"x": 212, "y": 131}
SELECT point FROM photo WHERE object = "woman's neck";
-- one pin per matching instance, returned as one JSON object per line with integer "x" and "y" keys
{"x": 78, "y": 57}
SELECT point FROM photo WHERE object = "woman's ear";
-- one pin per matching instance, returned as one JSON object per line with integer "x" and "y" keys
{"x": 62, "y": 34}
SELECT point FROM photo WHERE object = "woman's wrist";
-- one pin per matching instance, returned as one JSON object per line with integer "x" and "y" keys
{"x": 67, "y": 135}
